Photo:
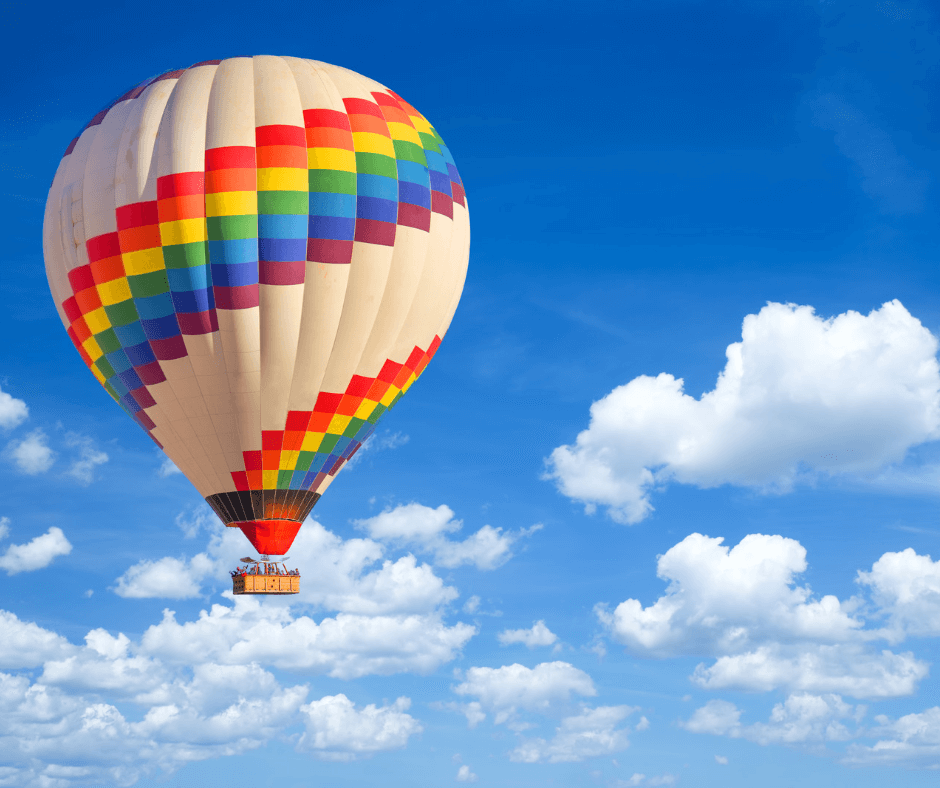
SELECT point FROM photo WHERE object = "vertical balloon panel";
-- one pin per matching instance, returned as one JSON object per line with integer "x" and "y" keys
{"x": 257, "y": 257}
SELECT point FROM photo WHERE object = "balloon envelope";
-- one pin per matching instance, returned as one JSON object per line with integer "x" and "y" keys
{"x": 256, "y": 257}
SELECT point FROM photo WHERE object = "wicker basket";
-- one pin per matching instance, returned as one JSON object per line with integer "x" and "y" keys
{"x": 266, "y": 584}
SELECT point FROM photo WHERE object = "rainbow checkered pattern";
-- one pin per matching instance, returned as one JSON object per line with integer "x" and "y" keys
{"x": 257, "y": 215}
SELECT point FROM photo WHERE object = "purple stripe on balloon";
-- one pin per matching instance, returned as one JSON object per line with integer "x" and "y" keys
{"x": 440, "y": 182}
{"x": 415, "y": 194}
{"x": 377, "y": 209}
{"x": 281, "y": 249}
{"x": 331, "y": 227}
{"x": 140, "y": 354}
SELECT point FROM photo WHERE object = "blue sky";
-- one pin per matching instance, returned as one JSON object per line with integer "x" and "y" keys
{"x": 521, "y": 583}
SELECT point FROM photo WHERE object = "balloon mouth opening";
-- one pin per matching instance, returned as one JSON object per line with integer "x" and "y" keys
{"x": 270, "y": 537}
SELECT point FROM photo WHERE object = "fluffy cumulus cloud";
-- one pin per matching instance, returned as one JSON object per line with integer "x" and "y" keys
{"x": 32, "y": 455}
{"x": 57, "y": 730}
{"x": 345, "y": 646}
{"x": 12, "y": 411}
{"x": 516, "y": 696}
{"x": 743, "y": 607}
{"x": 35, "y": 554}
{"x": 536, "y": 635}
{"x": 906, "y": 586}
{"x": 168, "y": 578}
{"x": 202, "y": 691}
{"x": 425, "y": 529}
{"x": 509, "y": 688}
{"x": 350, "y": 576}
{"x": 800, "y": 397}
{"x": 115, "y": 708}
{"x": 335, "y": 730}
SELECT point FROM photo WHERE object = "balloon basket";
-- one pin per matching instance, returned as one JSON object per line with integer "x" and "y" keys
{"x": 265, "y": 584}
{"x": 264, "y": 577}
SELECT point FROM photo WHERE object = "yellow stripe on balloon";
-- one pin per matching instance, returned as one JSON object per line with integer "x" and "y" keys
{"x": 285, "y": 179}
{"x": 146, "y": 261}
{"x": 97, "y": 320}
{"x": 402, "y": 131}
{"x": 183, "y": 231}
{"x": 92, "y": 348}
{"x": 331, "y": 159}
{"x": 231, "y": 204}
{"x": 338, "y": 424}
{"x": 369, "y": 142}
{"x": 114, "y": 292}
{"x": 312, "y": 441}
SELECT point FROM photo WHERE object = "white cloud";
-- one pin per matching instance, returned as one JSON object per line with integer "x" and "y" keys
{"x": 742, "y": 606}
{"x": 425, "y": 529}
{"x": 537, "y": 635}
{"x": 12, "y": 411}
{"x": 589, "y": 734}
{"x": 51, "y": 737}
{"x": 37, "y": 553}
{"x": 721, "y": 759}
{"x": 67, "y": 722}
{"x": 508, "y": 688}
{"x": 907, "y": 588}
{"x": 911, "y": 741}
{"x": 850, "y": 669}
{"x": 464, "y": 775}
{"x": 83, "y": 468}
{"x": 167, "y": 578}
{"x": 32, "y": 455}
{"x": 117, "y": 708}
{"x": 4, "y": 527}
{"x": 345, "y": 575}
{"x": 27, "y": 645}
{"x": 346, "y": 646}
{"x": 800, "y": 397}
{"x": 335, "y": 730}
{"x": 801, "y": 718}
{"x": 390, "y": 613}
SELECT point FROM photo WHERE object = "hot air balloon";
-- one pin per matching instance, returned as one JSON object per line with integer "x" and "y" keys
{"x": 256, "y": 258}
